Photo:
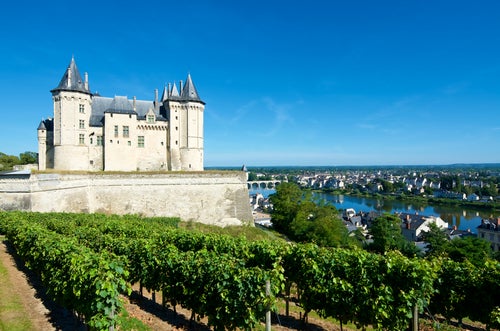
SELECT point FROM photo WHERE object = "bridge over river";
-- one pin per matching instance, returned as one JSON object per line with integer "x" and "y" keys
{"x": 263, "y": 184}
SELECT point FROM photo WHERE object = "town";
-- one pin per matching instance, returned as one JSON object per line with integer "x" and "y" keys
{"x": 469, "y": 185}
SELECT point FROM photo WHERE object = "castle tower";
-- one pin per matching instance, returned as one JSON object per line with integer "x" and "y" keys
{"x": 185, "y": 114}
{"x": 72, "y": 109}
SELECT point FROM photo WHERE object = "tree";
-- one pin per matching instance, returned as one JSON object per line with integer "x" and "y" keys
{"x": 7, "y": 162}
{"x": 285, "y": 203}
{"x": 386, "y": 232}
{"x": 28, "y": 158}
{"x": 388, "y": 187}
{"x": 326, "y": 227}
{"x": 298, "y": 216}
{"x": 252, "y": 176}
{"x": 473, "y": 249}
{"x": 436, "y": 240}
{"x": 489, "y": 189}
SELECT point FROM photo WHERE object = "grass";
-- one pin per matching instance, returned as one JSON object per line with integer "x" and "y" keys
{"x": 13, "y": 316}
{"x": 128, "y": 323}
{"x": 249, "y": 232}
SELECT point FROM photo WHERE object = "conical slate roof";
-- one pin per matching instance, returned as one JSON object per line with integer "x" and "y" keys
{"x": 164, "y": 95}
{"x": 189, "y": 91}
{"x": 72, "y": 80}
{"x": 174, "y": 93}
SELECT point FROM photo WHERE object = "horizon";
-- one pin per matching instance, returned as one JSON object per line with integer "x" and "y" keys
{"x": 349, "y": 84}
{"x": 454, "y": 165}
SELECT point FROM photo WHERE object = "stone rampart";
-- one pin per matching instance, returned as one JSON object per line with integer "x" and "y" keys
{"x": 219, "y": 198}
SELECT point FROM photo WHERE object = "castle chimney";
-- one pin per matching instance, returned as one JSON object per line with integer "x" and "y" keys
{"x": 156, "y": 104}
{"x": 180, "y": 87}
{"x": 86, "y": 81}
{"x": 169, "y": 91}
{"x": 133, "y": 102}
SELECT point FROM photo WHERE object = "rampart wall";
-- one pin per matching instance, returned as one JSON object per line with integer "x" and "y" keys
{"x": 219, "y": 198}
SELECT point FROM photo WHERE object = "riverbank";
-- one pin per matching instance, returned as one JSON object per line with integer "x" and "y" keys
{"x": 491, "y": 206}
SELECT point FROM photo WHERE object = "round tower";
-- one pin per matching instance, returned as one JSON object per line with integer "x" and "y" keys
{"x": 72, "y": 108}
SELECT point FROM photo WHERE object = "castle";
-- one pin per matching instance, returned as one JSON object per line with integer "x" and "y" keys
{"x": 94, "y": 133}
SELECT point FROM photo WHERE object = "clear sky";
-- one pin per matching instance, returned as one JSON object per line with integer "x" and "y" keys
{"x": 285, "y": 82}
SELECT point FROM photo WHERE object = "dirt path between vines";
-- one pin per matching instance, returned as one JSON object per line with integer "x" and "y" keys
{"x": 43, "y": 313}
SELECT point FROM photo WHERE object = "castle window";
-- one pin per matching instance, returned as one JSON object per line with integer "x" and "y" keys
{"x": 125, "y": 131}
{"x": 81, "y": 109}
{"x": 99, "y": 141}
{"x": 116, "y": 131}
{"x": 151, "y": 118}
{"x": 140, "y": 141}
{"x": 91, "y": 140}
{"x": 129, "y": 143}
{"x": 81, "y": 124}
{"x": 81, "y": 139}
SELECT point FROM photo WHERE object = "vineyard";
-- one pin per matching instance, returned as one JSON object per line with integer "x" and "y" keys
{"x": 87, "y": 261}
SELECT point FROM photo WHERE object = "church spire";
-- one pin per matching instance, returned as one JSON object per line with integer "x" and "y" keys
{"x": 72, "y": 80}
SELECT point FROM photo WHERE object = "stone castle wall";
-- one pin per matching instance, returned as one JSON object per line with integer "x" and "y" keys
{"x": 219, "y": 198}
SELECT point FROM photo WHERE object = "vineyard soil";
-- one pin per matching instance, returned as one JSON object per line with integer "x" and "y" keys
{"x": 43, "y": 314}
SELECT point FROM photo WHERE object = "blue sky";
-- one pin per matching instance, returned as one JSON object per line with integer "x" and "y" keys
{"x": 285, "y": 82}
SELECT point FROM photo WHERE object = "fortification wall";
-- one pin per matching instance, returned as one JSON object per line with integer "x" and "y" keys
{"x": 219, "y": 198}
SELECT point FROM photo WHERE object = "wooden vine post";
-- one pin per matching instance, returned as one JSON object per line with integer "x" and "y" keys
{"x": 415, "y": 318}
{"x": 268, "y": 312}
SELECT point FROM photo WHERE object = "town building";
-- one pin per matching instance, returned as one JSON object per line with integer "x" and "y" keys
{"x": 94, "y": 133}
{"x": 489, "y": 230}
{"x": 413, "y": 225}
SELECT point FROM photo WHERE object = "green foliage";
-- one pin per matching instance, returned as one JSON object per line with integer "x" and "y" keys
{"x": 7, "y": 162}
{"x": 386, "y": 232}
{"x": 85, "y": 261}
{"x": 463, "y": 289}
{"x": 436, "y": 240}
{"x": 28, "y": 158}
{"x": 286, "y": 203}
{"x": 473, "y": 249}
{"x": 252, "y": 176}
{"x": 296, "y": 215}
{"x": 75, "y": 276}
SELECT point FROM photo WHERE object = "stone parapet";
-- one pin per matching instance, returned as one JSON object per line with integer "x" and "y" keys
{"x": 219, "y": 198}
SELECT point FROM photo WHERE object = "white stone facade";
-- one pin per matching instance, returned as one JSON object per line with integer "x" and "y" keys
{"x": 94, "y": 133}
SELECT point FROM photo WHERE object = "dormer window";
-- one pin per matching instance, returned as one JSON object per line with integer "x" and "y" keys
{"x": 150, "y": 118}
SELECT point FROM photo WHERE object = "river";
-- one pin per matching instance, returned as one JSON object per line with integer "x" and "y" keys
{"x": 463, "y": 218}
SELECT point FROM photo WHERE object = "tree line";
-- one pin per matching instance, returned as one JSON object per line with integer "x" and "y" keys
{"x": 7, "y": 162}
